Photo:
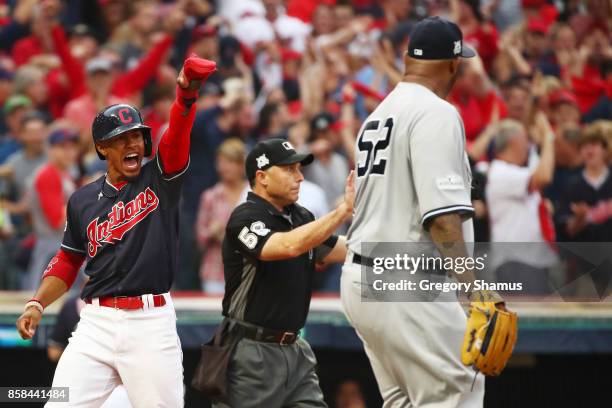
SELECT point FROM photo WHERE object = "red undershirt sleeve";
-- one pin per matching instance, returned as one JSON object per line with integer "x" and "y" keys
{"x": 174, "y": 144}
{"x": 65, "y": 266}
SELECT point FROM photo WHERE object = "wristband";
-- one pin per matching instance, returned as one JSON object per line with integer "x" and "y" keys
{"x": 187, "y": 93}
{"x": 34, "y": 303}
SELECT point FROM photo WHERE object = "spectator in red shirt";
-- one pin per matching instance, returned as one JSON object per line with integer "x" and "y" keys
{"x": 124, "y": 84}
{"x": 51, "y": 187}
{"x": 35, "y": 44}
{"x": 477, "y": 32}
{"x": 475, "y": 99}
{"x": 82, "y": 110}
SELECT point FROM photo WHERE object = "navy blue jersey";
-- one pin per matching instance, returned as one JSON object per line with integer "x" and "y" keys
{"x": 129, "y": 236}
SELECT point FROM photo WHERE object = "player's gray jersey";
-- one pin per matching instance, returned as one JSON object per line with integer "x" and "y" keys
{"x": 411, "y": 166}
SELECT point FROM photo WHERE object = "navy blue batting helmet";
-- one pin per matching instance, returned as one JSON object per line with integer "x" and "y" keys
{"x": 114, "y": 120}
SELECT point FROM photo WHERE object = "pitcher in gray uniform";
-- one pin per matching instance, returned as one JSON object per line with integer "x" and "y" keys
{"x": 413, "y": 186}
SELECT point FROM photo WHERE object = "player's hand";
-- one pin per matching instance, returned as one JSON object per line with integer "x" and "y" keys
{"x": 349, "y": 194}
{"x": 28, "y": 322}
{"x": 195, "y": 71}
{"x": 182, "y": 80}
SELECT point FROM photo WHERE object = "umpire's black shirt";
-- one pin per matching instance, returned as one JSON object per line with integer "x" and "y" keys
{"x": 272, "y": 294}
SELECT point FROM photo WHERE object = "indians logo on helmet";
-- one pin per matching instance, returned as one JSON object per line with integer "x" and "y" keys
{"x": 124, "y": 115}
{"x": 121, "y": 219}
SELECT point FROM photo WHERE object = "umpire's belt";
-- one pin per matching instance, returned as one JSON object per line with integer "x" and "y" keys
{"x": 258, "y": 333}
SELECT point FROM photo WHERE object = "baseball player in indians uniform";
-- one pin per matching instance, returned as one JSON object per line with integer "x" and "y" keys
{"x": 413, "y": 185}
{"x": 125, "y": 225}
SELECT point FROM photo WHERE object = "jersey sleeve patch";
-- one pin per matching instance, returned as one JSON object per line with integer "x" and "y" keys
{"x": 450, "y": 182}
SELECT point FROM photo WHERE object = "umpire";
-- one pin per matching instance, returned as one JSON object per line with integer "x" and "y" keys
{"x": 269, "y": 253}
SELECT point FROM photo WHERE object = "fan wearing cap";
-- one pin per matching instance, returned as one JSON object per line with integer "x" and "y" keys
{"x": 564, "y": 108}
{"x": 124, "y": 225}
{"x": 413, "y": 185}
{"x": 269, "y": 252}
{"x": 51, "y": 188}
{"x": 14, "y": 110}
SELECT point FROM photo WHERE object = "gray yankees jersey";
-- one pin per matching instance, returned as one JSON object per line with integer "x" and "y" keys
{"x": 411, "y": 166}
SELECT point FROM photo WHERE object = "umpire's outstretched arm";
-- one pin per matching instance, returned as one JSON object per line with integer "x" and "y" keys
{"x": 284, "y": 245}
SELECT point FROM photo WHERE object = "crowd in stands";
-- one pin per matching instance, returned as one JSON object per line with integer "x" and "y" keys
{"x": 536, "y": 104}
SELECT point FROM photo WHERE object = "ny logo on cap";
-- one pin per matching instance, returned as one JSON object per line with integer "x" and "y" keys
{"x": 288, "y": 146}
{"x": 457, "y": 49}
{"x": 262, "y": 161}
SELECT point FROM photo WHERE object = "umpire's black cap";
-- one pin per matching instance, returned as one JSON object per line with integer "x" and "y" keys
{"x": 435, "y": 38}
{"x": 274, "y": 152}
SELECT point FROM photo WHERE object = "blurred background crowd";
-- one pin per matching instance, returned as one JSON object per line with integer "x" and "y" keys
{"x": 535, "y": 104}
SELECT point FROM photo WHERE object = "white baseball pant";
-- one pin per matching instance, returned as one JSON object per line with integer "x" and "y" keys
{"x": 414, "y": 348}
{"x": 137, "y": 348}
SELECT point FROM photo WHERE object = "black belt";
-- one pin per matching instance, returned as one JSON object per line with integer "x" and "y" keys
{"x": 258, "y": 333}
{"x": 365, "y": 261}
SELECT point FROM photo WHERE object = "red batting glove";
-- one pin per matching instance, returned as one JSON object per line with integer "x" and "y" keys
{"x": 195, "y": 71}
{"x": 198, "y": 69}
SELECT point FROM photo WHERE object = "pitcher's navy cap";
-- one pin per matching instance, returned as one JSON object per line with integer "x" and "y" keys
{"x": 435, "y": 38}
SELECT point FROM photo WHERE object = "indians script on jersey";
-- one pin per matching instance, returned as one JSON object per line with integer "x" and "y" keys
{"x": 122, "y": 218}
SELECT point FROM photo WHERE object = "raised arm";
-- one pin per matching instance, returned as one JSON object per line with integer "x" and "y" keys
{"x": 72, "y": 66}
{"x": 174, "y": 144}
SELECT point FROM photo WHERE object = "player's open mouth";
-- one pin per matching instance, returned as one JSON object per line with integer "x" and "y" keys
{"x": 131, "y": 161}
